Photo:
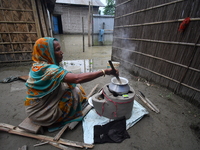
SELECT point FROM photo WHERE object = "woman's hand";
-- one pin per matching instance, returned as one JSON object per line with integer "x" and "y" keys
{"x": 110, "y": 71}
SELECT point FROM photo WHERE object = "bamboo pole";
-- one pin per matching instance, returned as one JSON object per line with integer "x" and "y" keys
{"x": 42, "y": 18}
{"x": 166, "y": 77}
{"x": 35, "y": 13}
{"x": 16, "y": 61}
{"x": 83, "y": 34}
{"x": 1, "y": 53}
{"x": 146, "y": 103}
{"x": 159, "y": 41}
{"x": 92, "y": 25}
{"x": 44, "y": 8}
{"x": 155, "y": 23}
{"x": 16, "y": 43}
{"x": 17, "y": 22}
{"x": 158, "y": 58}
{"x": 150, "y": 8}
{"x": 10, "y": 9}
{"x": 60, "y": 146}
{"x": 89, "y": 17}
{"x": 18, "y": 32}
{"x": 123, "y": 3}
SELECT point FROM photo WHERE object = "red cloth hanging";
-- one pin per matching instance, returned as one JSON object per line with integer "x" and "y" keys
{"x": 184, "y": 24}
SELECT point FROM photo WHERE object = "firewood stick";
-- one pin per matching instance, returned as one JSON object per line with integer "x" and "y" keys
{"x": 156, "y": 109}
{"x": 60, "y": 146}
{"x": 42, "y": 143}
{"x": 86, "y": 109}
{"x": 145, "y": 102}
{"x": 57, "y": 137}
{"x": 92, "y": 91}
{"x": 15, "y": 130}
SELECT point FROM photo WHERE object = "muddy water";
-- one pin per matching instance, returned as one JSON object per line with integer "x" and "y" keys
{"x": 88, "y": 58}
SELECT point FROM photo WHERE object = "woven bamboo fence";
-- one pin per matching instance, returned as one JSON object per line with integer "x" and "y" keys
{"x": 147, "y": 43}
{"x": 20, "y": 27}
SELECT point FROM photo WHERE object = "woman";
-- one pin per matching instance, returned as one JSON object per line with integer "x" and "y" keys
{"x": 54, "y": 94}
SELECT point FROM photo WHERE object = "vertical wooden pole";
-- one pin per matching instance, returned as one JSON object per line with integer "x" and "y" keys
{"x": 92, "y": 25}
{"x": 83, "y": 35}
{"x": 89, "y": 25}
{"x": 35, "y": 13}
{"x": 42, "y": 18}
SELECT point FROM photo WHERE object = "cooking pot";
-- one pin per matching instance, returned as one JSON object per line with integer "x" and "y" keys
{"x": 119, "y": 88}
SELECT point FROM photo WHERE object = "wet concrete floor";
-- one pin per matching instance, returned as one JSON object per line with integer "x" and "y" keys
{"x": 176, "y": 127}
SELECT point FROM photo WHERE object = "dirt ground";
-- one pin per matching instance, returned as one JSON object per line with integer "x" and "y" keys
{"x": 176, "y": 127}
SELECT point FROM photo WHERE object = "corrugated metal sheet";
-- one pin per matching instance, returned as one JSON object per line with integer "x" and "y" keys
{"x": 82, "y": 2}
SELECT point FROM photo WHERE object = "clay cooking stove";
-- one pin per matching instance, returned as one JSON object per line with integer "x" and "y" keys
{"x": 115, "y": 100}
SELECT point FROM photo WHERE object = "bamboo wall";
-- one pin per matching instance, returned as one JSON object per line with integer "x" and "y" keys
{"x": 20, "y": 27}
{"x": 147, "y": 43}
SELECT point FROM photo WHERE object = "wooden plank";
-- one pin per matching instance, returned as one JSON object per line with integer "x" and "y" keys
{"x": 36, "y": 18}
{"x": 28, "y": 125}
{"x": 41, "y": 16}
{"x": 44, "y": 8}
{"x": 24, "y": 78}
{"x": 15, "y": 130}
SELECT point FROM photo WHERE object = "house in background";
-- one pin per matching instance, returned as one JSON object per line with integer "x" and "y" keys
{"x": 76, "y": 17}
{"x": 68, "y": 15}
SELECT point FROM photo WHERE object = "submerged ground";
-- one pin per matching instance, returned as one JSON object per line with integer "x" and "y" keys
{"x": 176, "y": 127}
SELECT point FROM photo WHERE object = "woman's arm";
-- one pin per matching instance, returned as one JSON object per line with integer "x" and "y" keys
{"x": 85, "y": 77}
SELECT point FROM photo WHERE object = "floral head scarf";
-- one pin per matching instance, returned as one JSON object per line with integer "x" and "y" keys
{"x": 43, "y": 50}
{"x": 45, "y": 75}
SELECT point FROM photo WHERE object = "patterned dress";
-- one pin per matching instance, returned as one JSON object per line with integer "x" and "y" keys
{"x": 49, "y": 100}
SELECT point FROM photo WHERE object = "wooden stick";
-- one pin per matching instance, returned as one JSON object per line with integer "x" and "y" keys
{"x": 154, "y": 23}
{"x": 15, "y": 130}
{"x": 159, "y": 41}
{"x": 92, "y": 91}
{"x": 42, "y": 143}
{"x": 86, "y": 110}
{"x": 154, "y": 7}
{"x": 57, "y": 137}
{"x": 60, "y": 146}
{"x": 155, "y": 108}
{"x": 145, "y": 102}
{"x": 37, "y": 23}
{"x": 113, "y": 68}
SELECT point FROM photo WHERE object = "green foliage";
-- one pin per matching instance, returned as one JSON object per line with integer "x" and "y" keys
{"x": 110, "y": 8}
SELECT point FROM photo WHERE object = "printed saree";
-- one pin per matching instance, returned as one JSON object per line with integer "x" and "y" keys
{"x": 48, "y": 99}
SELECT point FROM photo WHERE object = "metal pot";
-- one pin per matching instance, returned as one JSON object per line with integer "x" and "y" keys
{"x": 118, "y": 88}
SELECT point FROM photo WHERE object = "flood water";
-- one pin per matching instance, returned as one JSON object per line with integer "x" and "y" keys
{"x": 87, "y": 58}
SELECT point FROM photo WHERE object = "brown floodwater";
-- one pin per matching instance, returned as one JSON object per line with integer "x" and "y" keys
{"x": 88, "y": 58}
